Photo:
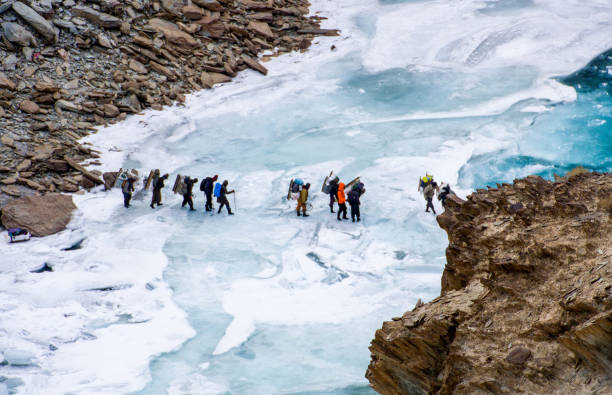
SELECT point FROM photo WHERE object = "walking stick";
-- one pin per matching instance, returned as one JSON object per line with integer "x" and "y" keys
{"x": 235, "y": 206}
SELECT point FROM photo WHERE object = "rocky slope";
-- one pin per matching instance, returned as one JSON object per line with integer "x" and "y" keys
{"x": 526, "y": 301}
{"x": 68, "y": 65}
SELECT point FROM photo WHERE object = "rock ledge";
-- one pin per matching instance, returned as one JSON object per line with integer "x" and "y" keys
{"x": 526, "y": 301}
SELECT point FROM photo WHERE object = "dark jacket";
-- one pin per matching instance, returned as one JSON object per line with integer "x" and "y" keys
{"x": 333, "y": 188}
{"x": 189, "y": 182}
{"x": 207, "y": 185}
{"x": 353, "y": 197}
{"x": 159, "y": 185}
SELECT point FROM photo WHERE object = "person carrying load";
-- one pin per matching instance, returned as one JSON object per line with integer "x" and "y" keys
{"x": 341, "y": 202}
{"x": 222, "y": 197}
{"x": 424, "y": 181}
{"x": 302, "y": 200}
{"x": 188, "y": 195}
{"x": 207, "y": 186}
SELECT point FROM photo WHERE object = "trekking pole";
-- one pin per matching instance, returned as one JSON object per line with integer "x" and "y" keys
{"x": 235, "y": 206}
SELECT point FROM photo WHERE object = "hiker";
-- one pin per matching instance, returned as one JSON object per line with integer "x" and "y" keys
{"x": 333, "y": 192}
{"x": 341, "y": 202}
{"x": 445, "y": 190}
{"x": 127, "y": 188}
{"x": 353, "y": 199}
{"x": 207, "y": 186}
{"x": 157, "y": 187}
{"x": 155, "y": 178}
{"x": 424, "y": 181}
{"x": 188, "y": 195}
{"x": 222, "y": 199}
{"x": 428, "y": 193}
{"x": 302, "y": 201}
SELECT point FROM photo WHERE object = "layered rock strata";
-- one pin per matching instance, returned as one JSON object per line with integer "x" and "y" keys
{"x": 526, "y": 300}
{"x": 69, "y": 65}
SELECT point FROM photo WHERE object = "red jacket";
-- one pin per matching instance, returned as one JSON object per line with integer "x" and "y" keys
{"x": 341, "y": 197}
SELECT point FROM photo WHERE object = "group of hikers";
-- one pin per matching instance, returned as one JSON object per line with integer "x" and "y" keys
{"x": 333, "y": 187}
{"x": 336, "y": 191}
{"x": 208, "y": 186}
{"x": 430, "y": 188}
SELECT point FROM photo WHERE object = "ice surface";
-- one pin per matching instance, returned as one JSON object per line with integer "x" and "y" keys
{"x": 171, "y": 301}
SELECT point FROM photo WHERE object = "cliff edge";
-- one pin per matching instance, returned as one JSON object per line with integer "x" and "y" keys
{"x": 526, "y": 300}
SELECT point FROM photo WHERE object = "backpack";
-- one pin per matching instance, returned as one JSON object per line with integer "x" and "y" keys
{"x": 353, "y": 197}
{"x": 217, "y": 191}
{"x": 202, "y": 187}
{"x": 295, "y": 187}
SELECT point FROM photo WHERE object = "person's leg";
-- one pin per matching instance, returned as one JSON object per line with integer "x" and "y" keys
{"x": 126, "y": 202}
{"x": 227, "y": 205}
{"x": 358, "y": 212}
{"x": 220, "y": 207}
{"x": 331, "y": 203}
{"x": 344, "y": 211}
{"x": 208, "y": 201}
{"x": 353, "y": 212}
{"x": 185, "y": 200}
{"x": 191, "y": 203}
{"x": 304, "y": 210}
{"x": 297, "y": 208}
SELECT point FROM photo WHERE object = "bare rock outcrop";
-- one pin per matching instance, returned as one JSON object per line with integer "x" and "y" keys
{"x": 526, "y": 300}
{"x": 40, "y": 215}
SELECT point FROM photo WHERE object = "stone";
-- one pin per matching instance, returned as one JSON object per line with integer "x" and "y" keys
{"x": 9, "y": 62}
{"x": 255, "y": 65}
{"x": 110, "y": 110}
{"x": 32, "y": 184}
{"x": 175, "y": 7}
{"x": 4, "y": 169}
{"x": 109, "y": 179}
{"x": 18, "y": 34}
{"x": 219, "y": 78}
{"x": 29, "y": 106}
{"x": 206, "y": 80}
{"x": 24, "y": 165}
{"x": 12, "y": 190}
{"x": 212, "y": 25}
{"x": 46, "y": 86}
{"x": 99, "y": 18}
{"x": 518, "y": 355}
{"x": 9, "y": 180}
{"x": 212, "y": 5}
{"x": 138, "y": 67}
{"x": 40, "y": 24}
{"x": 173, "y": 34}
{"x": 104, "y": 41}
{"x": 261, "y": 28}
{"x": 67, "y": 105}
{"x": 192, "y": 12}
{"x": 71, "y": 85}
{"x": 60, "y": 166}
{"x": 40, "y": 215}
{"x": 72, "y": 163}
{"x": 6, "y": 140}
{"x": 6, "y": 83}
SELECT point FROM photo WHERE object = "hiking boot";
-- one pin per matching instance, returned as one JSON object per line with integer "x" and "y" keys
{"x": 298, "y": 214}
{"x": 230, "y": 213}
{"x": 306, "y": 215}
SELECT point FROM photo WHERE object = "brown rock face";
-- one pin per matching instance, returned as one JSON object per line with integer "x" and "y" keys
{"x": 41, "y": 215}
{"x": 526, "y": 301}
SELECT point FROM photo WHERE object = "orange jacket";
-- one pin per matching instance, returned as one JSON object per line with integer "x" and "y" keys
{"x": 341, "y": 197}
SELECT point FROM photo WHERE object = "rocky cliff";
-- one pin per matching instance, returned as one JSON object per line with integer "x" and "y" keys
{"x": 526, "y": 300}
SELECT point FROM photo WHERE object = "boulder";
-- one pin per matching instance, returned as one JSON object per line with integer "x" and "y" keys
{"x": 173, "y": 34}
{"x": 6, "y": 83}
{"x": 261, "y": 28}
{"x": 255, "y": 65}
{"x": 29, "y": 106}
{"x": 137, "y": 66}
{"x": 175, "y": 7}
{"x": 110, "y": 110}
{"x": 40, "y": 215}
{"x": 40, "y": 24}
{"x": 212, "y": 5}
{"x": 18, "y": 34}
{"x": 193, "y": 12}
{"x": 99, "y": 18}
